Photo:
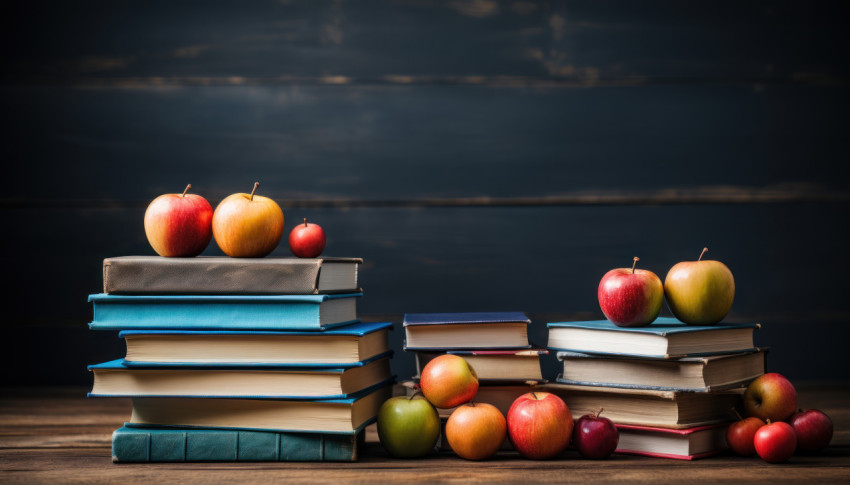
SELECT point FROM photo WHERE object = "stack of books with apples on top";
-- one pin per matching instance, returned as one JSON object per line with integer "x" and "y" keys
{"x": 670, "y": 387}
{"x": 239, "y": 359}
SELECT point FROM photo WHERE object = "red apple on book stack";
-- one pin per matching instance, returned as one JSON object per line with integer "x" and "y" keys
{"x": 740, "y": 434}
{"x": 448, "y": 381}
{"x": 775, "y": 442}
{"x": 630, "y": 297}
{"x": 771, "y": 396}
{"x": 247, "y": 225}
{"x": 539, "y": 425}
{"x": 408, "y": 427}
{"x": 476, "y": 431}
{"x": 179, "y": 225}
{"x": 307, "y": 240}
{"x": 699, "y": 292}
{"x": 813, "y": 429}
{"x": 595, "y": 436}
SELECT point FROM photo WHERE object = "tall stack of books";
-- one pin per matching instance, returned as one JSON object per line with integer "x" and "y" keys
{"x": 240, "y": 359}
{"x": 670, "y": 388}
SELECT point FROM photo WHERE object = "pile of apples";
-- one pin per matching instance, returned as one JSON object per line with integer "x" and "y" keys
{"x": 539, "y": 424}
{"x": 243, "y": 225}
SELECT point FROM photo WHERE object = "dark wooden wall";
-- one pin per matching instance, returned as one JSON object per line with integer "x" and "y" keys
{"x": 480, "y": 155}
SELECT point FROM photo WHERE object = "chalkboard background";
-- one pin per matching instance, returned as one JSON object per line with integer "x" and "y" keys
{"x": 480, "y": 155}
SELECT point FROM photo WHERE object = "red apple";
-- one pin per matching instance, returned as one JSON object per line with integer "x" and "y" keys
{"x": 775, "y": 442}
{"x": 699, "y": 292}
{"x": 630, "y": 297}
{"x": 771, "y": 396}
{"x": 476, "y": 431}
{"x": 740, "y": 434}
{"x": 247, "y": 225}
{"x": 595, "y": 437}
{"x": 307, "y": 240}
{"x": 539, "y": 425}
{"x": 179, "y": 225}
{"x": 448, "y": 381}
{"x": 813, "y": 429}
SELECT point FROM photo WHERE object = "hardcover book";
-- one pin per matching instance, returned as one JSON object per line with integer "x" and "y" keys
{"x": 441, "y": 331}
{"x": 342, "y": 346}
{"x": 679, "y": 444}
{"x": 494, "y": 365}
{"x": 228, "y": 276}
{"x": 222, "y": 312}
{"x": 665, "y": 338}
{"x": 132, "y": 444}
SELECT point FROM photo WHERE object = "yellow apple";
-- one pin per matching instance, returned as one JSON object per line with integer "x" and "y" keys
{"x": 247, "y": 225}
{"x": 699, "y": 292}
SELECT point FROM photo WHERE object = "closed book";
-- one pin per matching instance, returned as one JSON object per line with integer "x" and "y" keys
{"x": 114, "y": 379}
{"x": 494, "y": 365}
{"x": 664, "y": 338}
{"x": 222, "y": 312}
{"x": 647, "y": 407}
{"x": 345, "y": 416}
{"x": 132, "y": 444}
{"x": 227, "y": 276}
{"x": 700, "y": 374}
{"x": 441, "y": 331}
{"x": 680, "y": 444}
{"x": 340, "y": 346}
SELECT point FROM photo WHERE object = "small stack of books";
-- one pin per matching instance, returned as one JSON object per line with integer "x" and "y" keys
{"x": 240, "y": 359}
{"x": 670, "y": 388}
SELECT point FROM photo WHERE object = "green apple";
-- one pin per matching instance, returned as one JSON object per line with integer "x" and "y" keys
{"x": 699, "y": 292}
{"x": 408, "y": 427}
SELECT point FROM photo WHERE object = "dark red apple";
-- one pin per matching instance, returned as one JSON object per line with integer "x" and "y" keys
{"x": 740, "y": 435}
{"x": 179, "y": 225}
{"x": 630, "y": 297}
{"x": 813, "y": 429}
{"x": 539, "y": 425}
{"x": 595, "y": 437}
{"x": 307, "y": 240}
{"x": 775, "y": 442}
{"x": 771, "y": 396}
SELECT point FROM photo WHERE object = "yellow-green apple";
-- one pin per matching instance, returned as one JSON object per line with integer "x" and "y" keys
{"x": 539, "y": 425}
{"x": 595, "y": 436}
{"x": 408, "y": 427}
{"x": 771, "y": 396}
{"x": 307, "y": 240}
{"x": 448, "y": 381}
{"x": 630, "y": 297}
{"x": 740, "y": 434}
{"x": 699, "y": 292}
{"x": 813, "y": 429}
{"x": 179, "y": 225}
{"x": 247, "y": 225}
{"x": 775, "y": 442}
{"x": 476, "y": 431}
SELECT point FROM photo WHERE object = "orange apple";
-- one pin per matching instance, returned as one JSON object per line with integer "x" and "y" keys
{"x": 448, "y": 381}
{"x": 476, "y": 431}
{"x": 178, "y": 225}
{"x": 247, "y": 225}
{"x": 699, "y": 292}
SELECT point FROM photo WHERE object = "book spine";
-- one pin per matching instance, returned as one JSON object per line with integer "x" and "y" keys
{"x": 139, "y": 445}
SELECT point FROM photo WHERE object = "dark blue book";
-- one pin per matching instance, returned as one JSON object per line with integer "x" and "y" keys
{"x": 665, "y": 338}
{"x": 487, "y": 330}
{"x": 133, "y": 444}
{"x": 226, "y": 312}
{"x": 342, "y": 346}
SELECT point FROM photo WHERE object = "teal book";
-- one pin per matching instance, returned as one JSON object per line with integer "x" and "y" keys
{"x": 223, "y": 312}
{"x": 665, "y": 338}
{"x": 131, "y": 444}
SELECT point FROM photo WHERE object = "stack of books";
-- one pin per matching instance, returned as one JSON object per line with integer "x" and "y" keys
{"x": 670, "y": 388}
{"x": 240, "y": 359}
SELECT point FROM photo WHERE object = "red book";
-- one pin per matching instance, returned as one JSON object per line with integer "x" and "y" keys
{"x": 680, "y": 444}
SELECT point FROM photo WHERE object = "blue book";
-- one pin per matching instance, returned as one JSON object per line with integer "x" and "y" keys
{"x": 665, "y": 338}
{"x": 231, "y": 312}
{"x": 342, "y": 346}
{"x": 132, "y": 444}
{"x": 115, "y": 379}
{"x": 471, "y": 330}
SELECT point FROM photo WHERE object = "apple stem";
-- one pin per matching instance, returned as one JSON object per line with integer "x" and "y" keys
{"x": 256, "y": 184}
{"x": 188, "y": 186}
{"x": 635, "y": 264}
{"x": 534, "y": 394}
{"x": 305, "y": 222}
{"x": 740, "y": 418}
{"x": 702, "y": 253}
{"x": 599, "y": 412}
{"x": 767, "y": 421}
{"x": 415, "y": 392}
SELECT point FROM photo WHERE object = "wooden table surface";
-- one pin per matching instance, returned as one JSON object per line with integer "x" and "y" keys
{"x": 59, "y": 436}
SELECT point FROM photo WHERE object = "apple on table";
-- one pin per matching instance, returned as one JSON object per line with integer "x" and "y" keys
{"x": 247, "y": 225}
{"x": 179, "y": 225}
{"x": 630, "y": 297}
{"x": 775, "y": 442}
{"x": 813, "y": 429}
{"x": 595, "y": 436}
{"x": 476, "y": 431}
{"x": 699, "y": 292}
{"x": 539, "y": 425}
{"x": 408, "y": 427}
{"x": 741, "y": 433}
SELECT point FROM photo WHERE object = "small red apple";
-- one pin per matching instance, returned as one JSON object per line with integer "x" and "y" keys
{"x": 771, "y": 396}
{"x": 630, "y": 297}
{"x": 740, "y": 434}
{"x": 813, "y": 429}
{"x": 595, "y": 437}
{"x": 247, "y": 225}
{"x": 307, "y": 240}
{"x": 539, "y": 425}
{"x": 448, "y": 381}
{"x": 179, "y": 225}
{"x": 775, "y": 442}
{"x": 476, "y": 431}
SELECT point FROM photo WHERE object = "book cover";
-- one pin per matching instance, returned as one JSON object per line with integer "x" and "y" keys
{"x": 233, "y": 312}
{"x": 472, "y": 330}
{"x": 464, "y": 318}
{"x": 141, "y": 444}
{"x": 224, "y": 275}
{"x": 678, "y": 444}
